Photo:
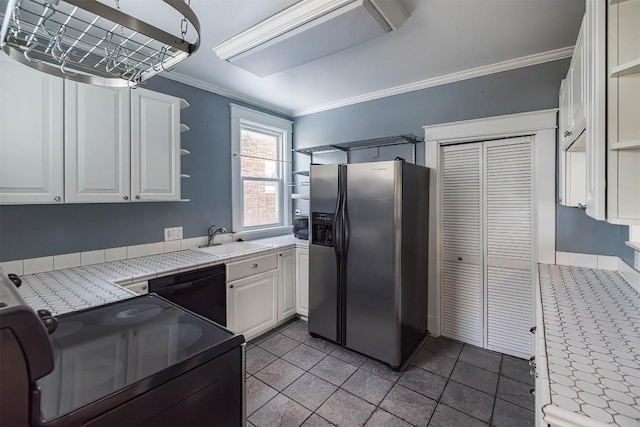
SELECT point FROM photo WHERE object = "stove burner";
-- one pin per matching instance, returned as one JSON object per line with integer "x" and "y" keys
{"x": 166, "y": 339}
{"x": 132, "y": 314}
{"x": 66, "y": 329}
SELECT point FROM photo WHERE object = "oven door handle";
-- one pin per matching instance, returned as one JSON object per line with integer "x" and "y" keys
{"x": 177, "y": 288}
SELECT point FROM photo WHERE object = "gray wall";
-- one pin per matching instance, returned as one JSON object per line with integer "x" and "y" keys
{"x": 42, "y": 230}
{"x": 526, "y": 89}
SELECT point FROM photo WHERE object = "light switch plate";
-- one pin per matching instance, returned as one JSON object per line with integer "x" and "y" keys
{"x": 174, "y": 233}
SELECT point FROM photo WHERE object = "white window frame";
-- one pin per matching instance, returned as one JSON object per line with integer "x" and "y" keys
{"x": 271, "y": 124}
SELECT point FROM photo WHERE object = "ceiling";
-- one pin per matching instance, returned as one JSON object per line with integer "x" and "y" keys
{"x": 439, "y": 38}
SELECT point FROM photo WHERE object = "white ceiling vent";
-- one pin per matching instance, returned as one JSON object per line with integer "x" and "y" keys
{"x": 309, "y": 30}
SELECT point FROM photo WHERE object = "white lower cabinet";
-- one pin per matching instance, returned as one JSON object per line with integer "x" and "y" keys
{"x": 302, "y": 281}
{"x": 252, "y": 304}
{"x": 266, "y": 290}
{"x": 286, "y": 284}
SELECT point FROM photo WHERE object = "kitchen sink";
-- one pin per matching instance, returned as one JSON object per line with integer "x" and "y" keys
{"x": 232, "y": 248}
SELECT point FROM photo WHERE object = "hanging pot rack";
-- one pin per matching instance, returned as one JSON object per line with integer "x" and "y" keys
{"x": 90, "y": 42}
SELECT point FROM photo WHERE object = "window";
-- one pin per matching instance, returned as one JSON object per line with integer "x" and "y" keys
{"x": 261, "y": 169}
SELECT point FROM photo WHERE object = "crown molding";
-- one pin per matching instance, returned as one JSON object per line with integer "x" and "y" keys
{"x": 190, "y": 81}
{"x": 512, "y": 64}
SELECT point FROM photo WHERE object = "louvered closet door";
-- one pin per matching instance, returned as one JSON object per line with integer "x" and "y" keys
{"x": 508, "y": 169}
{"x": 461, "y": 205}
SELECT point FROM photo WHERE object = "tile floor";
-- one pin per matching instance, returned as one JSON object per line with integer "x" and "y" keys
{"x": 294, "y": 379}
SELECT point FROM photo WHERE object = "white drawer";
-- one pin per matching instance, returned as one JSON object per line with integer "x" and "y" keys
{"x": 249, "y": 267}
{"x": 139, "y": 287}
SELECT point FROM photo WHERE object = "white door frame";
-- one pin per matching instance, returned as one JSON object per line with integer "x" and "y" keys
{"x": 542, "y": 127}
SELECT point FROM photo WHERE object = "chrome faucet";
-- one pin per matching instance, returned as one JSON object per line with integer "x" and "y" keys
{"x": 212, "y": 233}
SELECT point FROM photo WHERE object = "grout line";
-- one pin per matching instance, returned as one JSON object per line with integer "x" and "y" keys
{"x": 493, "y": 410}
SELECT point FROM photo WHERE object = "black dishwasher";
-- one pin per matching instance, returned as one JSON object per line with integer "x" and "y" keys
{"x": 201, "y": 291}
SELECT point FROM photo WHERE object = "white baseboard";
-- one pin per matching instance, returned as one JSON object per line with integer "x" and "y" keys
{"x": 630, "y": 275}
{"x": 601, "y": 262}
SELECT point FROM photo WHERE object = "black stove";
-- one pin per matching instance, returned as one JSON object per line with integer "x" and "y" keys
{"x": 141, "y": 361}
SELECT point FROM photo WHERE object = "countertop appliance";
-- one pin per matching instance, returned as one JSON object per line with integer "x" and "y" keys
{"x": 301, "y": 227}
{"x": 368, "y": 257}
{"x": 202, "y": 291}
{"x": 140, "y": 361}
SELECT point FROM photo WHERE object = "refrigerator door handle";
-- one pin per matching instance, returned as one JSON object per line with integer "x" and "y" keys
{"x": 345, "y": 224}
{"x": 335, "y": 234}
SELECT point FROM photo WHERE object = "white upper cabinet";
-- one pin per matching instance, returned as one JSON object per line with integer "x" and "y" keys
{"x": 578, "y": 83}
{"x": 595, "y": 111}
{"x": 155, "y": 146}
{"x": 572, "y": 95}
{"x": 97, "y": 143}
{"x": 30, "y": 135}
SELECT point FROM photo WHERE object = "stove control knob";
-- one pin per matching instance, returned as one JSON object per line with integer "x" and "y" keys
{"x": 50, "y": 323}
{"x": 15, "y": 279}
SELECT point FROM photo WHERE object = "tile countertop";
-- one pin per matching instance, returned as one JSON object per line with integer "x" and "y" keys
{"x": 592, "y": 330}
{"x": 74, "y": 289}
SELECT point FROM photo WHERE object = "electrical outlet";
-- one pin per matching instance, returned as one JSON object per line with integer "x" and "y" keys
{"x": 174, "y": 233}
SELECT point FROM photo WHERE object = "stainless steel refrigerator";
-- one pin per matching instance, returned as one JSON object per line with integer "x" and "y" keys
{"x": 368, "y": 249}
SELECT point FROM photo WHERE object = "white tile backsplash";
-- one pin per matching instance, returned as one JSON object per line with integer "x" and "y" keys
{"x": 137, "y": 251}
{"x": 188, "y": 243}
{"x": 15, "y": 267}
{"x": 64, "y": 261}
{"x": 171, "y": 246}
{"x": 156, "y": 248}
{"x": 563, "y": 258}
{"x": 584, "y": 260}
{"x": 38, "y": 265}
{"x": 92, "y": 257}
{"x": 60, "y": 262}
{"x": 115, "y": 254}
{"x": 607, "y": 263}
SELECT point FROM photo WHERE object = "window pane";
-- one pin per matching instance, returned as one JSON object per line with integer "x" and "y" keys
{"x": 260, "y": 201}
{"x": 262, "y": 146}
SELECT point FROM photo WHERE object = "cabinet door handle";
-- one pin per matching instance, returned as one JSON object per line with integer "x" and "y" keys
{"x": 230, "y": 286}
{"x": 254, "y": 265}
{"x": 533, "y": 330}
{"x": 459, "y": 258}
{"x": 57, "y": 198}
{"x": 137, "y": 197}
{"x": 567, "y": 133}
{"x": 144, "y": 288}
{"x": 126, "y": 197}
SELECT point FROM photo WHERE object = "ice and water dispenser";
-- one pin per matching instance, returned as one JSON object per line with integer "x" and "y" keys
{"x": 322, "y": 228}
